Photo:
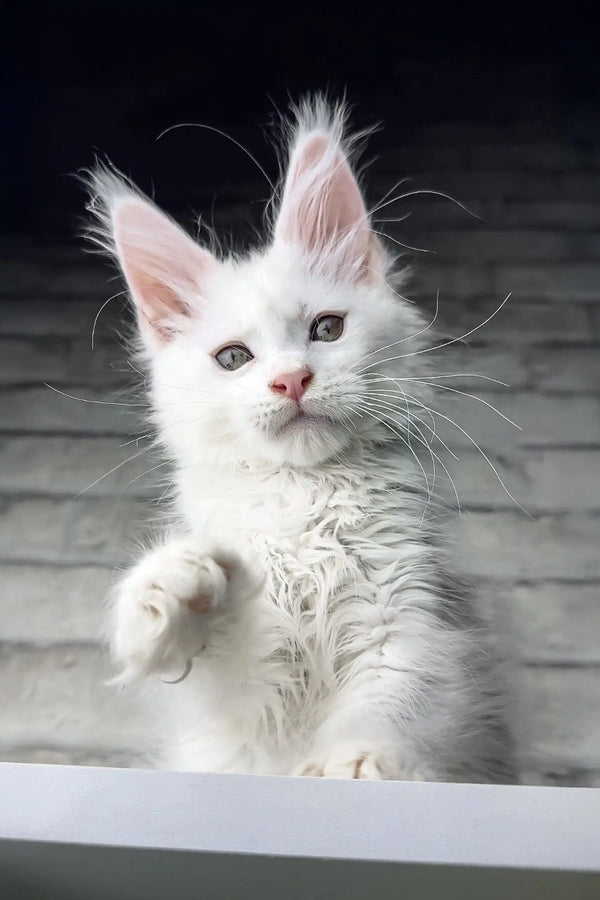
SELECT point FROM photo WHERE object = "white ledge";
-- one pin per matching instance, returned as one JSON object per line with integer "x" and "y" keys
{"x": 470, "y": 827}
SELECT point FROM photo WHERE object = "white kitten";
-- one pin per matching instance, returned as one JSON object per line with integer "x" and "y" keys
{"x": 305, "y": 583}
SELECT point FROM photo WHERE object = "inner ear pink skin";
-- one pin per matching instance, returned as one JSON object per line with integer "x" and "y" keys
{"x": 322, "y": 208}
{"x": 163, "y": 266}
{"x": 341, "y": 205}
{"x": 292, "y": 384}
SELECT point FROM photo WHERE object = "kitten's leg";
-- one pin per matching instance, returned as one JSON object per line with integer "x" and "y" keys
{"x": 165, "y": 604}
{"x": 364, "y": 748}
{"x": 389, "y": 711}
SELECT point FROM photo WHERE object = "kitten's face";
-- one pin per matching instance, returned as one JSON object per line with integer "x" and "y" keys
{"x": 269, "y": 358}
{"x": 229, "y": 384}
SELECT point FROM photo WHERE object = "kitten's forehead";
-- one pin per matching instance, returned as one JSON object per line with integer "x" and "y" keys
{"x": 255, "y": 290}
{"x": 259, "y": 295}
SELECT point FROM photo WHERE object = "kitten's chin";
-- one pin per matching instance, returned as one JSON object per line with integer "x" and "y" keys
{"x": 308, "y": 440}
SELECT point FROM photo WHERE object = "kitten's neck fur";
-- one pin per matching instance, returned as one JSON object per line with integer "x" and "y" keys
{"x": 371, "y": 476}
{"x": 359, "y": 453}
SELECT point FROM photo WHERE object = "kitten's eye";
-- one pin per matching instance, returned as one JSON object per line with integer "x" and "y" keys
{"x": 326, "y": 328}
{"x": 233, "y": 357}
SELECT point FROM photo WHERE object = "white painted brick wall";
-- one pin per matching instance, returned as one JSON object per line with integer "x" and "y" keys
{"x": 48, "y": 604}
{"x": 539, "y": 237}
{"x": 58, "y": 695}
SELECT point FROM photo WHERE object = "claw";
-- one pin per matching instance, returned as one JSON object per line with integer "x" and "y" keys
{"x": 186, "y": 672}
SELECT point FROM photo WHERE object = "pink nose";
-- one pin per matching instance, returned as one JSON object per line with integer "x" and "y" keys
{"x": 292, "y": 384}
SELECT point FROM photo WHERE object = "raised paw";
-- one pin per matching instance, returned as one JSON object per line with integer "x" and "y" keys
{"x": 164, "y": 607}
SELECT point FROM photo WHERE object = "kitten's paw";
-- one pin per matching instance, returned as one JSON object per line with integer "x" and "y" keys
{"x": 366, "y": 764}
{"x": 164, "y": 608}
{"x": 362, "y": 765}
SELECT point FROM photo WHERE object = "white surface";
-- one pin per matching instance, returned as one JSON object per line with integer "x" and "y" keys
{"x": 481, "y": 825}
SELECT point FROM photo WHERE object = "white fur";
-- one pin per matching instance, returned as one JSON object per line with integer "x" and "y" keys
{"x": 332, "y": 641}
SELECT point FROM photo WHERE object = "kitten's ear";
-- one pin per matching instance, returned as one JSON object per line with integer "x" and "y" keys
{"x": 322, "y": 210}
{"x": 164, "y": 268}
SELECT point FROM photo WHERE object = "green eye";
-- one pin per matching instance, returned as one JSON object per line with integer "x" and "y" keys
{"x": 233, "y": 357}
{"x": 326, "y": 328}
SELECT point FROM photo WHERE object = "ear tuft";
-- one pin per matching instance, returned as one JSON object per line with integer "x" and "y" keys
{"x": 164, "y": 268}
{"x": 322, "y": 210}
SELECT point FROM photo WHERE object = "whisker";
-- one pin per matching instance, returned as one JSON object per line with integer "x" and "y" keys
{"x": 106, "y": 302}
{"x": 404, "y": 441}
{"x": 160, "y": 465}
{"x": 89, "y": 400}
{"x": 434, "y": 193}
{"x": 143, "y": 375}
{"x": 164, "y": 493}
{"x": 228, "y": 137}
{"x": 375, "y": 274}
{"x": 394, "y": 219}
{"x": 477, "y": 447}
{"x": 447, "y": 343}
{"x": 444, "y": 387}
{"x": 434, "y": 457}
{"x": 433, "y": 454}
{"x": 400, "y": 244}
{"x": 387, "y": 194}
{"x": 431, "y": 428}
{"x": 368, "y": 375}
{"x": 152, "y": 434}
{"x": 404, "y": 339}
{"x": 175, "y": 387}
{"x": 114, "y": 469}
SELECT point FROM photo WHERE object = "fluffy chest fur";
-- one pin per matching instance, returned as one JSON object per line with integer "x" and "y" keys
{"x": 342, "y": 560}
{"x": 351, "y": 530}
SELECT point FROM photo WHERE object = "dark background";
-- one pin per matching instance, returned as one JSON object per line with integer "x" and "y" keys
{"x": 107, "y": 77}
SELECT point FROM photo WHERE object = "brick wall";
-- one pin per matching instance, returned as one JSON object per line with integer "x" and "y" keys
{"x": 539, "y": 236}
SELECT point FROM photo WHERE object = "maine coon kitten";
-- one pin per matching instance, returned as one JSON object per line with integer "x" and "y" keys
{"x": 304, "y": 583}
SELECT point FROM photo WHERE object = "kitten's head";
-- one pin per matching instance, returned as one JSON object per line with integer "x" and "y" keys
{"x": 278, "y": 356}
